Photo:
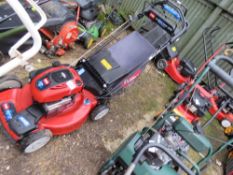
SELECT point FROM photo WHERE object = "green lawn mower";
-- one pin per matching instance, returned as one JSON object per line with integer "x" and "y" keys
{"x": 164, "y": 148}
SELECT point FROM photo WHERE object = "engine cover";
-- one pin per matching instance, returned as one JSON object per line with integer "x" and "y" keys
{"x": 55, "y": 83}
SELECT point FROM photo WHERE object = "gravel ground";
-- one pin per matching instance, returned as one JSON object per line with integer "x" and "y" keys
{"x": 85, "y": 150}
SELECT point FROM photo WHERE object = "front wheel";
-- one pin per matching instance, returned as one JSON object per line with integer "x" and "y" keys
{"x": 9, "y": 82}
{"x": 99, "y": 112}
{"x": 36, "y": 141}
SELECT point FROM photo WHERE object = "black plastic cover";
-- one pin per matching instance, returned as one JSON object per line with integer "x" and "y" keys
{"x": 26, "y": 121}
{"x": 123, "y": 57}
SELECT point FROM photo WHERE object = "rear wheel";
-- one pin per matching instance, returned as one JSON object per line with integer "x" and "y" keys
{"x": 161, "y": 64}
{"x": 9, "y": 82}
{"x": 99, "y": 112}
{"x": 36, "y": 141}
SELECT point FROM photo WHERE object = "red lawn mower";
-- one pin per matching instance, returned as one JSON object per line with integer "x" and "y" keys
{"x": 62, "y": 29}
{"x": 183, "y": 70}
{"x": 58, "y": 99}
{"x": 216, "y": 99}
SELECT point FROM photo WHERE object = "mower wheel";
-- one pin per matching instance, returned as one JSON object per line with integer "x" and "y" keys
{"x": 161, "y": 64}
{"x": 9, "y": 82}
{"x": 36, "y": 141}
{"x": 88, "y": 41}
{"x": 99, "y": 112}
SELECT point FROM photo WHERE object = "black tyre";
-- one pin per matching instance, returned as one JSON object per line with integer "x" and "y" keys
{"x": 161, "y": 64}
{"x": 9, "y": 82}
{"x": 88, "y": 41}
{"x": 36, "y": 141}
{"x": 99, "y": 112}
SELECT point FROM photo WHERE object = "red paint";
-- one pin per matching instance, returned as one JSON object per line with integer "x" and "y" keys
{"x": 173, "y": 71}
{"x": 184, "y": 111}
{"x": 68, "y": 119}
{"x": 214, "y": 108}
{"x": 58, "y": 91}
{"x": 6, "y": 106}
{"x": 152, "y": 16}
{"x": 67, "y": 36}
{"x": 131, "y": 79}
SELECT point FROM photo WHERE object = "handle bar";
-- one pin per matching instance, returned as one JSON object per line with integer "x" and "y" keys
{"x": 131, "y": 168}
{"x": 219, "y": 71}
{"x": 21, "y": 58}
{"x": 172, "y": 8}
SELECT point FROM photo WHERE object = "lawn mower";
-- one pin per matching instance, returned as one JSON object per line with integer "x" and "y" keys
{"x": 215, "y": 99}
{"x": 164, "y": 147}
{"x": 90, "y": 27}
{"x": 59, "y": 33}
{"x": 207, "y": 96}
{"x": 62, "y": 29}
{"x": 20, "y": 58}
{"x": 183, "y": 70}
{"x": 58, "y": 99}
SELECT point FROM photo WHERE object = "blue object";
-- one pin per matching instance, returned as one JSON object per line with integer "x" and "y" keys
{"x": 8, "y": 114}
{"x": 40, "y": 85}
{"x": 81, "y": 71}
{"x": 87, "y": 101}
{"x": 161, "y": 23}
{"x": 23, "y": 120}
{"x": 172, "y": 11}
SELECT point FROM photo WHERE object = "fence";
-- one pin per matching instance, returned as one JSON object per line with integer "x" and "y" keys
{"x": 201, "y": 14}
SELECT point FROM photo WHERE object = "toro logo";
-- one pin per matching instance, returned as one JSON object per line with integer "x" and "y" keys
{"x": 131, "y": 79}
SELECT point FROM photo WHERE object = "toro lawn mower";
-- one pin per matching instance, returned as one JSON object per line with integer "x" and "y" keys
{"x": 164, "y": 147}
{"x": 58, "y": 99}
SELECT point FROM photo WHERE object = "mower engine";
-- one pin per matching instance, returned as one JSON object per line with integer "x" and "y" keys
{"x": 60, "y": 31}
{"x": 167, "y": 137}
{"x": 55, "y": 88}
{"x": 198, "y": 104}
{"x": 157, "y": 158}
{"x": 187, "y": 68}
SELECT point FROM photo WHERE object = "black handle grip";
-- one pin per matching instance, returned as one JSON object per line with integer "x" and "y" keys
{"x": 177, "y": 8}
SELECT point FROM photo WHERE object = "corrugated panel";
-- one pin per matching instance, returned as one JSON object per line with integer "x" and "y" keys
{"x": 198, "y": 12}
{"x": 224, "y": 35}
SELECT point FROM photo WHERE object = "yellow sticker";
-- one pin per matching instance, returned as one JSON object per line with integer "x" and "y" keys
{"x": 106, "y": 64}
{"x": 174, "y": 49}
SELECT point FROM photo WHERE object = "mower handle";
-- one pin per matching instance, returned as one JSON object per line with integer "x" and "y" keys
{"x": 132, "y": 166}
{"x": 219, "y": 71}
{"x": 172, "y": 8}
{"x": 21, "y": 58}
